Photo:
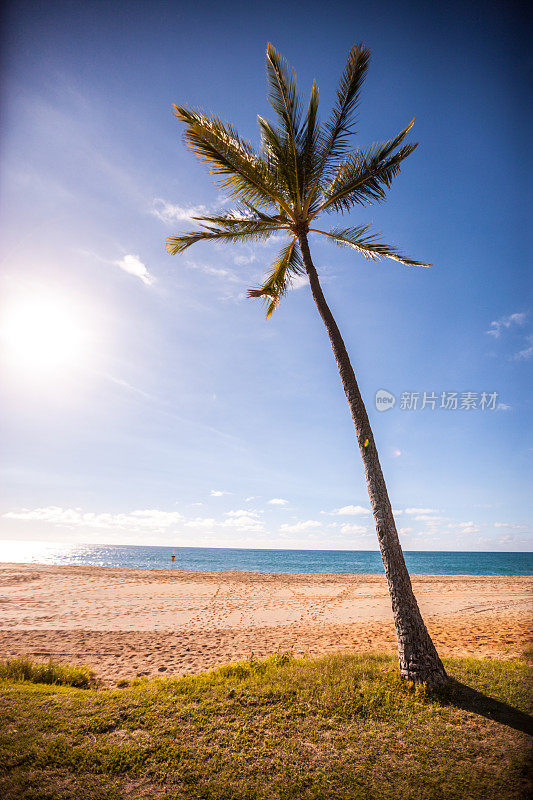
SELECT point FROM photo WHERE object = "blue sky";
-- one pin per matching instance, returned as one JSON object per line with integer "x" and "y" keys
{"x": 166, "y": 410}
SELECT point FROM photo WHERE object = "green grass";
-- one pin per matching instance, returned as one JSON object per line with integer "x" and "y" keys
{"x": 24, "y": 669}
{"x": 343, "y": 726}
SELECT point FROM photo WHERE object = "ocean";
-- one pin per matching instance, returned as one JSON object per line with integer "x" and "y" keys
{"x": 336, "y": 562}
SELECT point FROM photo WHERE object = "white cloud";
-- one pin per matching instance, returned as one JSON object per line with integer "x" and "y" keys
{"x": 140, "y": 520}
{"x": 278, "y": 501}
{"x": 351, "y": 510}
{"x": 239, "y": 520}
{"x": 397, "y": 512}
{"x": 299, "y": 281}
{"x": 241, "y": 511}
{"x": 242, "y": 260}
{"x": 134, "y": 266}
{"x": 497, "y": 325}
{"x": 217, "y": 272}
{"x": 421, "y": 510}
{"x": 526, "y": 353}
{"x": 201, "y": 522}
{"x": 301, "y": 527}
{"x": 218, "y": 493}
{"x": 348, "y": 527}
{"x": 168, "y": 212}
{"x": 396, "y": 453}
{"x": 468, "y": 527}
{"x": 128, "y": 386}
{"x": 244, "y": 521}
{"x": 509, "y": 525}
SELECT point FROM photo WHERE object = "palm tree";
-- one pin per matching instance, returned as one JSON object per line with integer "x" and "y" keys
{"x": 302, "y": 170}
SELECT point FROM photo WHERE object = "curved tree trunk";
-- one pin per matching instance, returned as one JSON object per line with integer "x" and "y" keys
{"x": 418, "y": 657}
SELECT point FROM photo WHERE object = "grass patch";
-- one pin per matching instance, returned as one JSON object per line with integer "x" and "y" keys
{"x": 24, "y": 669}
{"x": 342, "y": 726}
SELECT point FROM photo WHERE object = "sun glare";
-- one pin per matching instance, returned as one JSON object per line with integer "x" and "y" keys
{"x": 42, "y": 333}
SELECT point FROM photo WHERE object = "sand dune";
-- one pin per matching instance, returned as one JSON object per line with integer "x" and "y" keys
{"x": 126, "y": 622}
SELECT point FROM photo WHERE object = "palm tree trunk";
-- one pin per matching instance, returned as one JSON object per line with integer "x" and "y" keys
{"x": 418, "y": 657}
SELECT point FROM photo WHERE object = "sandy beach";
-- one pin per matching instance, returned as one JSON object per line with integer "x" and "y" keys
{"x": 127, "y": 622}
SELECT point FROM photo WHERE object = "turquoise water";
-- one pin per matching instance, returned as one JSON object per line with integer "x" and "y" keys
{"x": 337, "y": 562}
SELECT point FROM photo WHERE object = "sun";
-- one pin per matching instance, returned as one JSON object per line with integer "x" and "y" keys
{"x": 42, "y": 332}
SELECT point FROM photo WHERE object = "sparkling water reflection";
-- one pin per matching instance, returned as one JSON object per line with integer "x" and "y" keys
{"x": 337, "y": 562}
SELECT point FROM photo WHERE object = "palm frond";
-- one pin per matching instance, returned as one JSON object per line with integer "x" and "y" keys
{"x": 310, "y": 135}
{"x": 235, "y": 220}
{"x": 246, "y": 175}
{"x": 288, "y": 263}
{"x": 368, "y": 244}
{"x": 364, "y": 176}
{"x": 387, "y": 147}
{"x": 283, "y": 91}
{"x": 248, "y": 211}
{"x": 284, "y": 99}
{"x": 241, "y": 231}
{"x": 334, "y": 140}
{"x": 273, "y": 142}
{"x": 281, "y": 156}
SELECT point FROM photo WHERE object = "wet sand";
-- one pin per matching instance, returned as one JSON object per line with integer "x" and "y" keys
{"x": 128, "y": 622}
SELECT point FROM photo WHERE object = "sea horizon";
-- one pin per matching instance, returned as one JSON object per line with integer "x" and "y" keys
{"x": 263, "y": 560}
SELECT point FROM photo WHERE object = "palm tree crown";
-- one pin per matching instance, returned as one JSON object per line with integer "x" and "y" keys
{"x": 302, "y": 170}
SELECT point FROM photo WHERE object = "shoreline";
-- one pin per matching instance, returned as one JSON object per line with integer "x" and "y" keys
{"x": 125, "y": 622}
{"x": 174, "y": 570}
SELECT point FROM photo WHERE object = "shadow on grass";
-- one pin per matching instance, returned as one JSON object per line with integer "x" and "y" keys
{"x": 461, "y": 696}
